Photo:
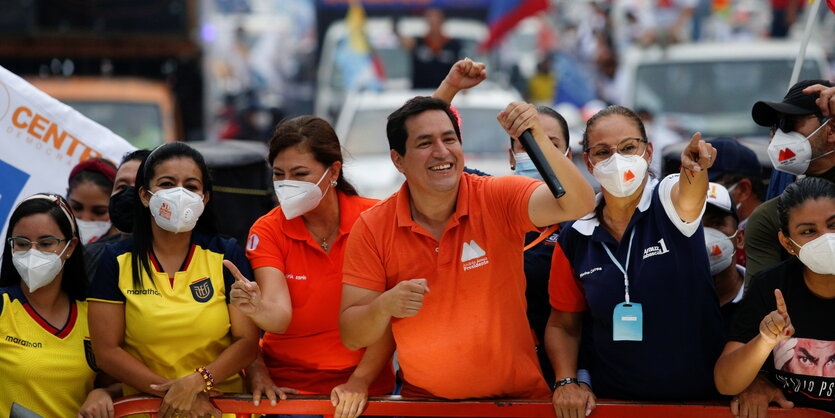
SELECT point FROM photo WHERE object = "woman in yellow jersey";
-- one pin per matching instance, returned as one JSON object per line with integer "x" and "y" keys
{"x": 163, "y": 325}
{"x": 46, "y": 362}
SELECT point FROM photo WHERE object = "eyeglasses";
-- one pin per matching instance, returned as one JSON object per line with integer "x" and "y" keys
{"x": 629, "y": 146}
{"x": 46, "y": 244}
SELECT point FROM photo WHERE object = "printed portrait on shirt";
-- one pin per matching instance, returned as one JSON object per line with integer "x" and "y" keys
{"x": 805, "y": 356}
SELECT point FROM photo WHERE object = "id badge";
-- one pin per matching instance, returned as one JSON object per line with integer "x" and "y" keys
{"x": 628, "y": 322}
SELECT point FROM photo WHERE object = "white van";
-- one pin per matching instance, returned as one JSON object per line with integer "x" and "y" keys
{"x": 711, "y": 87}
{"x": 396, "y": 62}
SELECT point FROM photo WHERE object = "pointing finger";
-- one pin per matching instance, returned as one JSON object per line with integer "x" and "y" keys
{"x": 234, "y": 270}
{"x": 694, "y": 140}
{"x": 781, "y": 303}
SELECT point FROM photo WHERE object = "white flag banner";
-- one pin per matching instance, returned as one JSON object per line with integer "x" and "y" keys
{"x": 41, "y": 140}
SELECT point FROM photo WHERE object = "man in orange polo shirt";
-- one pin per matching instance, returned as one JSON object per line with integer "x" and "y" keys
{"x": 438, "y": 265}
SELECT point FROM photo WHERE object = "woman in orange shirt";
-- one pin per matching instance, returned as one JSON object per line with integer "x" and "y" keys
{"x": 296, "y": 252}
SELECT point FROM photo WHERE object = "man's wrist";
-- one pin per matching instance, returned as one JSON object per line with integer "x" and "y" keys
{"x": 567, "y": 381}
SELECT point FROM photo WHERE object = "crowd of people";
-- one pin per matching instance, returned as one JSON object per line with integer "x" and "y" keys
{"x": 479, "y": 286}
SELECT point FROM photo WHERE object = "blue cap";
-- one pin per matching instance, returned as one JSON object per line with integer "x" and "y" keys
{"x": 733, "y": 157}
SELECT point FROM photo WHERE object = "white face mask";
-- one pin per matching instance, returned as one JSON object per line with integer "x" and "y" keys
{"x": 621, "y": 175}
{"x": 91, "y": 231}
{"x": 176, "y": 209}
{"x": 720, "y": 250}
{"x": 38, "y": 268}
{"x": 298, "y": 197}
{"x": 792, "y": 152}
{"x": 819, "y": 254}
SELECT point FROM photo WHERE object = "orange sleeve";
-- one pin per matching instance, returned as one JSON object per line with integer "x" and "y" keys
{"x": 565, "y": 293}
{"x": 262, "y": 246}
{"x": 363, "y": 265}
{"x": 513, "y": 193}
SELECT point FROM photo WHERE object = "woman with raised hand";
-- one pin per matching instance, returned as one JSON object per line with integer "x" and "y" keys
{"x": 296, "y": 251}
{"x": 638, "y": 264}
{"x": 782, "y": 340}
{"x": 46, "y": 365}
{"x": 161, "y": 321}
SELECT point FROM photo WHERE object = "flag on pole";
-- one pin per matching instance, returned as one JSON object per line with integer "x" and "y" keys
{"x": 505, "y": 14}
{"x": 359, "y": 65}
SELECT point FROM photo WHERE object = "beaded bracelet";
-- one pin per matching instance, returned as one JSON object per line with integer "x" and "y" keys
{"x": 207, "y": 378}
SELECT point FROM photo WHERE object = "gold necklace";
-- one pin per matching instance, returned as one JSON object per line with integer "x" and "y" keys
{"x": 323, "y": 242}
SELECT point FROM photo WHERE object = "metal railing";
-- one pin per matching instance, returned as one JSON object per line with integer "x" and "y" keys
{"x": 242, "y": 406}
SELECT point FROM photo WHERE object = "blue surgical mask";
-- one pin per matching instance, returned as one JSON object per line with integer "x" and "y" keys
{"x": 525, "y": 166}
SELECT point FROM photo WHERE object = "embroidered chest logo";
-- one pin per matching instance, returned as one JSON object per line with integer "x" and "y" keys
{"x": 473, "y": 256}
{"x": 202, "y": 289}
{"x": 659, "y": 249}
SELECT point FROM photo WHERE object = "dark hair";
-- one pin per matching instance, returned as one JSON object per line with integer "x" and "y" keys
{"x": 142, "y": 235}
{"x": 547, "y": 111}
{"x": 135, "y": 155}
{"x": 809, "y": 188}
{"x": 74, "y": 278}
{"x": 609, "y": 111}
{"x": 396, "y": 125}
{"x": 317, "y": 136}
{"x": 91, "y": 173}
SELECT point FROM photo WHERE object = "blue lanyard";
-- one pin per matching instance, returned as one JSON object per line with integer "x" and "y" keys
{"x": 621, "y": 267}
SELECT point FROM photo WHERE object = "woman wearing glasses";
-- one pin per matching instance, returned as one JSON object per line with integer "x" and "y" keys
{"x": 46, "y": 365}
{"x": 638, "y": 265}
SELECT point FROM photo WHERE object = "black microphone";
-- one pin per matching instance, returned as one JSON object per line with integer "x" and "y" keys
{"x": 538, "y": 158}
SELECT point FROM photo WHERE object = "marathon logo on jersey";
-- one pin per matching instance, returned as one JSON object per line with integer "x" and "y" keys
{"x": 88, "y": 354}
{"x": 25, "y": 343}
{"x": 659, "y": 249}
{"x": 165, "y": 212}
{"x": 295, "y": 276}
{"x": 252, "y": 242}
{"x": 202, "y": 289}
{"x": 473, "y": 256}
{"x": 143, "y": 292}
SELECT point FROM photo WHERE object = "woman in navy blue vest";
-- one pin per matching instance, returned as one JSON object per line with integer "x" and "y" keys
{"x": 638, "y": 265}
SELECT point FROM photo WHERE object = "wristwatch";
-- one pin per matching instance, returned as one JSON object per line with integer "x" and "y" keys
{"x": 566, "y": 381}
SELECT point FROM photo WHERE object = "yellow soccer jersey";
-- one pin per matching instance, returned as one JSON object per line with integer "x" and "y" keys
{"x": 47, "y": 370}
{"x": 173, "y": 329}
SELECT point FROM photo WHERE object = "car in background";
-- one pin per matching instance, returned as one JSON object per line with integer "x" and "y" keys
{"x": 395, "y": 61}
{"x": 143, "y": 112}
{"x": 711, "y": 88}
{"x": 361, "y": 128}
